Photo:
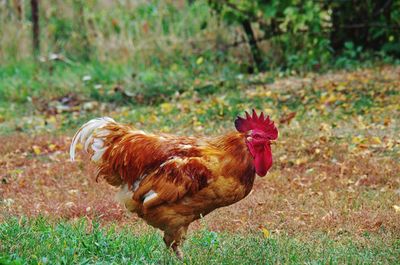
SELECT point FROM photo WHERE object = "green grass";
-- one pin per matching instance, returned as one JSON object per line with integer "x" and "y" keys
{"x": 22, "y": 81}
{"x": 41, "y": 241}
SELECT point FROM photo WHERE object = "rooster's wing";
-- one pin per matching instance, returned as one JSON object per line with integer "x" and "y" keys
{"x": 174, "y": 179}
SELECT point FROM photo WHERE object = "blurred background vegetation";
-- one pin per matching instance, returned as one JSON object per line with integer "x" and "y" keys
{"x": 147, "y": 51}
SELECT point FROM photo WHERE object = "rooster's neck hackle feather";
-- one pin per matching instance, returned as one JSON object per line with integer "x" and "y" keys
{"x": 234, "y": 158}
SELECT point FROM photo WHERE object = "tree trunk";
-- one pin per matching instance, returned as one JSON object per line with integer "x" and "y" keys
{"x": 255, "y": 51}
{"x": 35, "y": 27}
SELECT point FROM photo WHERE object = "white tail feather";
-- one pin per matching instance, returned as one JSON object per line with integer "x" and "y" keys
{"x": 85, "y": 136}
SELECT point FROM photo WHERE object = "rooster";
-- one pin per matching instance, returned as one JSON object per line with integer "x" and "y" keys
{"x": 170, "y": 180}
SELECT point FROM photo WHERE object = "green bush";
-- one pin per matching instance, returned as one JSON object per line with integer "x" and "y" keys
{"x": 307, "y": 34}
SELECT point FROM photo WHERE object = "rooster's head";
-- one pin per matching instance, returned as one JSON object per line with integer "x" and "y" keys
{"x": 259, "y": 131}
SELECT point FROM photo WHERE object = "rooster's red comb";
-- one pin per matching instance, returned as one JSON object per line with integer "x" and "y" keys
{"x": 255, "y": 122}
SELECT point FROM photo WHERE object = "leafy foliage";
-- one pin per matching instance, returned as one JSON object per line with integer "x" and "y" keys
{"x": 305, "y": 34}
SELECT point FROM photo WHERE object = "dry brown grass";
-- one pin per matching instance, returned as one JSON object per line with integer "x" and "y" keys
{"x": 352, "y": 195}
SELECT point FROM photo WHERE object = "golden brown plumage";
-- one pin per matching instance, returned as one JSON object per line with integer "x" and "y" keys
{"x": 168, "y": 180}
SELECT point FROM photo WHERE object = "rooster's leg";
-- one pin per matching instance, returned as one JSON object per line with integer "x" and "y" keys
{"x": 174, "y": 239}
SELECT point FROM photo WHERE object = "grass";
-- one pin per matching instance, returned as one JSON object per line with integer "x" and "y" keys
{"x": 29, "y": 82}
{"x": 78, "y": 242}
{"x": 34, "y": 90}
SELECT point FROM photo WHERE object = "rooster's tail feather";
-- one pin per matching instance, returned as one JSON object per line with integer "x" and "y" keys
{"x": 85, "y": 135}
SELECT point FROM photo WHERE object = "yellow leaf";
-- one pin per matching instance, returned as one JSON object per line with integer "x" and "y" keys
{"x": 52, "y": 147}
{"x": 153, "y": 118}
{"x": 301, "y": 161}
{"x": 332, "y": 98}
{"x": 36, "y": 150}
{"x": 376, "y": 140}
{"x": 266, "y": 232}
{"x": 165, "y": 129}
{"x": 283, "y": 158}
{"x": 51, "y": 120}
{"x": 396, "y": 208}
{"x": 325, "y": 127}
{"x": 199, "y": 60}
{"x": 166, "y": 107}
{"x": 389, "y": 145}
{"x": 340, "y": 88}
{"x": 200, "y": 111}
{"x": 268, "y": 111}
{"x": 332, "y": 195}
{"x": 356, "y": 139}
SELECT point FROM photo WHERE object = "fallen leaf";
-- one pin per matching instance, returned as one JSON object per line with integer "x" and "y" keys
{"x": 266, "y": 232}
{"x": 287, "y": 118}
{"x": 52, "y": 147}
{"x": 199, "y": 60}
{"x": 166, "y": 107}
{"x": 36, "y": 150}
{"x": 357, "y": 139}
{"x": 69, "y": 204}
{"x": 376, "y": 140}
